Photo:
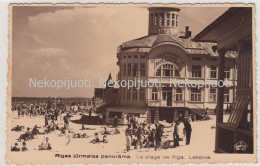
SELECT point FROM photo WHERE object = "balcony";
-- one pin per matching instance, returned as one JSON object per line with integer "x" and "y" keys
{"x": 164, "y": 103}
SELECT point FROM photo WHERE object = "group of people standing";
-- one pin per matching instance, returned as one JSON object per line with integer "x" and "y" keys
{"x": 142, "y": 135}
{"x": 182, "y": 132}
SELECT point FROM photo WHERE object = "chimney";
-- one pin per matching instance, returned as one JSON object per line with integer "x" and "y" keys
{"x": 187, "y": 32}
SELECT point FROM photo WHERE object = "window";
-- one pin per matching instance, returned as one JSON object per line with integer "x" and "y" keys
{"x": 143, "y": 56}
{"x": 177, "y": 74}
{"x": 227, "y": 73}
{"x": 168, "y": 19}
{"x": 154, "y": 94}
{"x": 129, "y": 56}
{"x": 158, "y": 72}
{"x": 177, "y": 20}
{"x": 213, "y": 72}
{"x": 142, "y": 69}
{"x": 128, "y": 93}
{"x": 156, "y": 20}
{"x": 178, "y": 94}
{"x": 226, "y": 95}
{"x": 212, "y": 94}
{"x": 135, "y": 69}
{"x": 173, "y": 20}
{"x": 196, "y": 71}
{"x": 164, "y": 95}
{"x": 135, "y": 56}
{"x": 129, "y": 69}
{"x": 195, "y": 94}
{"x": 151, "y": 20}
{"x": 124, "y": 69}
{"x": 142, "y": 97}
{"x": 165, "y": 70}
{"x": 161, "y": 19}
{"x": 134, "y": 94}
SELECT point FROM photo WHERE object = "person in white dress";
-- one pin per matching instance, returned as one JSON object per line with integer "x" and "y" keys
{"x": 182, "y": 135}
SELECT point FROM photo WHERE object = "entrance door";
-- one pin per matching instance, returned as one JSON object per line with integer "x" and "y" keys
{"x": 169, "y": 98}
{"x": 167, "y": 95}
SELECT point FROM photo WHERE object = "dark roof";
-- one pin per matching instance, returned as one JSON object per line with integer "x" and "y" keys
{"x": 231, "y": 11}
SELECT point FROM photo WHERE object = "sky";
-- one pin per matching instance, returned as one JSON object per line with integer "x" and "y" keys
{"x": 78, "y": 42}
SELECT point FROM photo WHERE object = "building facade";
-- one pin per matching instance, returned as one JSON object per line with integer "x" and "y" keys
{"x": 170, "y": 57}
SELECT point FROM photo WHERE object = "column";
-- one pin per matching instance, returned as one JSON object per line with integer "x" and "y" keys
{"x": 149, "y": 116}
{"x": 156, "y": 115}
{"x": 220, "y": 96}
{"x": 220, "y": 93}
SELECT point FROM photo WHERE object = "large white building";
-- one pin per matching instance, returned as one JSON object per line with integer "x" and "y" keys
{"x": 166, "y": 55}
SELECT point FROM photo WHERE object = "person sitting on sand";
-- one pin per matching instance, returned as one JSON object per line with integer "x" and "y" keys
{"x": 106, "y": 131}
{"x": 62, "y": 131}
{"x": 83, "y": 127}
{"x": 96, "y": 139}
{"x": 15, "y": 148}
{"x": 17, "y": 128}
{"x": 78, "y": 135}
{"x": 105, "y": 140}
{"x": 116, "y": 131}
{"x": 24, "y": 148}
{"x": 45, "y": 145}
{"x": 25, "y": 136}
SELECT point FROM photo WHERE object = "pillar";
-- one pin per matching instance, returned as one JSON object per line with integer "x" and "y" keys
{"x": 149, "y": 116}
{"x": 156, "y": 115}
{"x": 220, "y": 93}
{"x": 220, "y": 96}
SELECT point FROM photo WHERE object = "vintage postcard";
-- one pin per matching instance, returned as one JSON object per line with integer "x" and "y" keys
{"x": 131, "y": 83}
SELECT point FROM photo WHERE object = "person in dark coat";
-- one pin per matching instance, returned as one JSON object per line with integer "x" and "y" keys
{"x": 176, "y": 134}
{"x": 188, "y": 130}
{"x": 139, "y": 135}
{"x": 46, "y": 120}
{"x": 115, "y": 121}
{"x": 89, "y": 114}
{"x": 158, "y": 136}
{"x": 128, "y": 118}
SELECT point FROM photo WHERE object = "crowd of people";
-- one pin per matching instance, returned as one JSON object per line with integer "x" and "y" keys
{"x": 56, "y": 118}
{"x": 138, "y": 134}
{"x": 143, "y": 135}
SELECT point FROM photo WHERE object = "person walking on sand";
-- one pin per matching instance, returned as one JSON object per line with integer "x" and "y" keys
{"x": 128, "y": 134}
{"x": 188, "y": 131}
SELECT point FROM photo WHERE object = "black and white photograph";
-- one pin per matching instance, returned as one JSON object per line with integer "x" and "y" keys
{"x": 131, "y": 83}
